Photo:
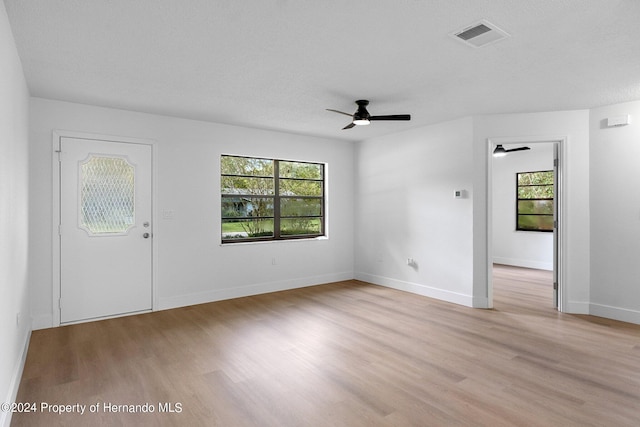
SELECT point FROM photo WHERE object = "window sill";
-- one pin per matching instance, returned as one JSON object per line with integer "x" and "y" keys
{"x": 266, "y": 242}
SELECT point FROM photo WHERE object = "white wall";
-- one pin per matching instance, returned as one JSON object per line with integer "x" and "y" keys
{"x": 615, "y": 214}
{"x": 405, "y": 205}
{"x": 405, "y": 209}
{"x": 574, "y": 125}
{"x": 14, "y": 226}
{"x": 192, "y": 266}
{"x": 519, "y": 248}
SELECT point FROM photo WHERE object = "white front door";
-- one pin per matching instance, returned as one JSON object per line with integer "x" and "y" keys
{"x": 105, "y": 228}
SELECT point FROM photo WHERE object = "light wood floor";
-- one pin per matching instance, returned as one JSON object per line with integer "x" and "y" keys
{"x": 345, "y": 354}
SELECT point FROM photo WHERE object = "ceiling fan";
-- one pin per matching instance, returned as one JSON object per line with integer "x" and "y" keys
{"x": 362, "y": 116}
{"x": 501, "y": 151}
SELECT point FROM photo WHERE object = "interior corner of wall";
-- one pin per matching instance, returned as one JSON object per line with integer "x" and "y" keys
{"x": 41, "y": 321}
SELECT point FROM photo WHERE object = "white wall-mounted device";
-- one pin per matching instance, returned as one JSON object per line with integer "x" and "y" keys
{"x": 459, "y": 194}
{"x": 619, "y": 121}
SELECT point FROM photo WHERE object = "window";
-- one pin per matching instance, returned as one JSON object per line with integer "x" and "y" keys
{"x": 534, "y": 200}
{"x": 267, "y": 199}
{"x": 107, "y": 190}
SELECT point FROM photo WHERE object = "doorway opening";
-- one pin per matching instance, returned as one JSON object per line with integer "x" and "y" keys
{"x": 522, "y": 288}
{"x": 524, "y": 236}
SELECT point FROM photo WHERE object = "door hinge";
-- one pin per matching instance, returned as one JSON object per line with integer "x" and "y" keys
{"x": 555, "y": 286}
{"x": 60, "y": 303}
{"x": 59, "y": 155}
{"x": 555, "y": 163}
{"x": 59, "y": 229}
{"x": 555, "y": 224}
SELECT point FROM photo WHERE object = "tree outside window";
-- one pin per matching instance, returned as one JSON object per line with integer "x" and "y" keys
{"x": 269, "y": 199}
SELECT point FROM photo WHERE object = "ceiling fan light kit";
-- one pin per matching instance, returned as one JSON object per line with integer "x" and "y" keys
{"x": 362, "y": 117}
{"x": 499, "y": 151}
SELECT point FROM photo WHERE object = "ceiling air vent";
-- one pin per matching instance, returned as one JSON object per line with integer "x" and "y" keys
{"x": 480, "y": 34}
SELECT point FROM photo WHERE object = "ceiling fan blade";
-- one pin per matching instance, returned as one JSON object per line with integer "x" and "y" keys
{"x": 340, "y": 112}
{"x": 392, "y": 117}
{"x": 349, "y": 126}
{"x": 517, "y": 149}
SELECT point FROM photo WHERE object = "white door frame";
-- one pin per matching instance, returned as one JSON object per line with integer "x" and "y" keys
{"x": 55, "y": 230}
{"x": 560, "y": 232}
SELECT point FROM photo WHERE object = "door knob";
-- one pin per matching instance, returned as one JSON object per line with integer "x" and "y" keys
{"x": 146, "y": 235}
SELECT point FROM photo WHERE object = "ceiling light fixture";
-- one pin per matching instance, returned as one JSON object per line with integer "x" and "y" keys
{"x": 360, "y": 121}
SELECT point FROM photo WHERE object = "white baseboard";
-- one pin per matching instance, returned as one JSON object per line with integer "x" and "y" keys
{"x": 244, "y": 291}
{"x": 46, "y": 321}
{"x": 615, "y": 313}
{"x": 538, "y": 265}
{"x": 480, "y": 302}
{"x": 574, "y": 307}
{"x": 5, "y": 416}
{"x": 42, "y": 321}
{"x": 416, "y": 288}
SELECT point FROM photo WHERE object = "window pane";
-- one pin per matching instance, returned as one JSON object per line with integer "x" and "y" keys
{"x": 235, "y": 207}
{"x": 252, "y": 209}
{"x": 300, "y": 226}
{"x": 107, "y": 195}
{"x": 300, "y": 170}
{"x": 247, "y": 228}
{"x": 541, "y": 207}
{"x": 300, "y": 207}
{"x": 230, "y": 165}
{"x": 291, "y": 187}
{"x": 535, "y": 178}
{"x": 536, "y": 192}
{"x": 535, "y": 222}
{"x": 244, "y": 185}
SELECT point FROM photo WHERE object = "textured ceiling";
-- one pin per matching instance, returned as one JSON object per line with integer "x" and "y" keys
{"x": 278, "y": 64}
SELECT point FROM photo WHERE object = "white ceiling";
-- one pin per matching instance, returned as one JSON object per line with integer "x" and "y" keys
{"x": 278, "y": 64}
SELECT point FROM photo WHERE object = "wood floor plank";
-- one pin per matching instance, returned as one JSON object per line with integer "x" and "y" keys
{"x": 344, "y": 354}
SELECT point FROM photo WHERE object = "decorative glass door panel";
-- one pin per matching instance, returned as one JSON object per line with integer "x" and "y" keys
{"x": 107, "y": 195}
